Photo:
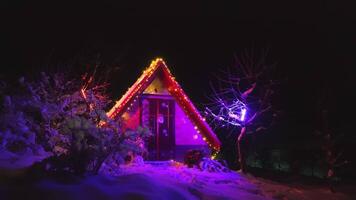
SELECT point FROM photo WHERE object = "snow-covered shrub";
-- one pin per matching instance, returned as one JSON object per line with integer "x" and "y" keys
{"x": 193, "y": 157}
{"x": 197, "y": 159}
{"x": 18, "y": 139}
{"x": 207, "y": 164}
{"x": 62, "y": 116}
{"x": 128, "y": 149}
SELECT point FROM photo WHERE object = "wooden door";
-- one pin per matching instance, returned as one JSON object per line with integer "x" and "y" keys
{"x": 158, "y": 114}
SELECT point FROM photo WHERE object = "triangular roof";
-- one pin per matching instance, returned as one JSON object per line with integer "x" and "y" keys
{"x": 175, "y": 90}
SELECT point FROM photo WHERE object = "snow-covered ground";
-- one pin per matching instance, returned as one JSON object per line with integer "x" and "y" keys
{"x": 196, "y": 184}
{"x": 172, "y": 181}
{"x": 299, "y": 191}
{"x": 232, "y": 185}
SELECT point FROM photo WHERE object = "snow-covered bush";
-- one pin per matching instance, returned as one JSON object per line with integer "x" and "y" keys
{"x": 196, "y": 159}
{"x": 207, "y": 164}
{"x": 128, "y": 150}
{"x": 193, "y": 157}
{"x": 18, "y": 138}
{"x": 61, "y": 117}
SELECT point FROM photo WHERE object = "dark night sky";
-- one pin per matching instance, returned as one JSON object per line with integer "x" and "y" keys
{"x": 312, "y": 42}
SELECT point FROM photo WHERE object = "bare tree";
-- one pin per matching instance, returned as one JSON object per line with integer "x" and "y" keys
{"x": 243, "y": 98}
{"x": 329, "y": 138}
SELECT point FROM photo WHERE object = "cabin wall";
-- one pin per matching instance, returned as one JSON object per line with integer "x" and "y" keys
{"x": 131, "y": 118}
{"x": 186, "y": 136}
{"x": 157, "y": 86}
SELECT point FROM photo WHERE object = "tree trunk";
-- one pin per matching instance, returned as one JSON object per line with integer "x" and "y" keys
{"x": 241, "y": 158}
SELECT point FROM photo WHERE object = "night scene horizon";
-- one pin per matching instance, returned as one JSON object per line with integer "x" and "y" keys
{"x": 168, "y": 100}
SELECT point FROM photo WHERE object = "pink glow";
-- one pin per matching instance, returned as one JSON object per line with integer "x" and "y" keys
{"x": 131, "y": 118}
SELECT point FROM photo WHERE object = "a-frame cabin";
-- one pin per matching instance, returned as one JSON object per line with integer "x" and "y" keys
{"x": 157, "y": 101}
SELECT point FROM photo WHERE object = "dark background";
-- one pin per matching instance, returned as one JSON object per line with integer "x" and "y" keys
{"x": 312, "y": 42}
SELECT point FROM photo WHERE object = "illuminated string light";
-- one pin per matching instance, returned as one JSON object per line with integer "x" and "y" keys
{"x": 176, "y": 91}
{"x": 233, "y": 113}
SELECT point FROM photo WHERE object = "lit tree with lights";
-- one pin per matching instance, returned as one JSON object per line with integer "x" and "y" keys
{"x": 242, "y": 99}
